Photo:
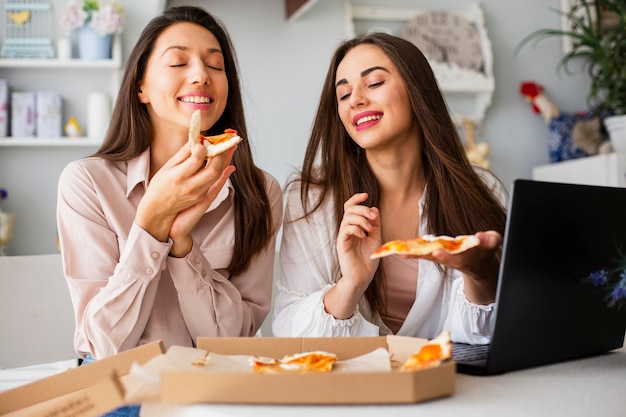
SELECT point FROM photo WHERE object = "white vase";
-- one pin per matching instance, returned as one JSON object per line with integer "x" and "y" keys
{"x": 616, "y": 127}
{"x": 92, "y": 45}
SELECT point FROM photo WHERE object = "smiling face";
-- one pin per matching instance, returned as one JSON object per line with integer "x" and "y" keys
{"x": 185, "y": 72}
{"x": 372, "y": 99}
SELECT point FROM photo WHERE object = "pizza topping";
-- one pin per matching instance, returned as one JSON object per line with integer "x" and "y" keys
{"x": 425, "y": 245}
{"x": 215, "y": 145}
{"x": 431, "y": 354}
{"x": 301, "y": 363}
{"x": 214, "y": 140}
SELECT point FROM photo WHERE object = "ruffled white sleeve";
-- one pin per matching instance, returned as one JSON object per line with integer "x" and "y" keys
{"x": 468, "y": 322}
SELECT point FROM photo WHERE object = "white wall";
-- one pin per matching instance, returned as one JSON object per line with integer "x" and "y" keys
{"x": 283, "y": 65}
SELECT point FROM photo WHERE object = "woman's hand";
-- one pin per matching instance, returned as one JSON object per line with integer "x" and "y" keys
{"x": 359, "y": 236}
{"x": 185, "y": 221}
{"x": 480, "y": 266}
{"x": 180, "y": 192}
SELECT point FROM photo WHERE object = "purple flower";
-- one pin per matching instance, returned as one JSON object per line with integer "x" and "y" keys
{"x": 105, "y": 18}
{"x": 619, "y": 291}
{"x": 598, "y": 278}
{"x": 73, "y": 17}
{"x": 108, "y": 19}
{"x": 4, "y": 194}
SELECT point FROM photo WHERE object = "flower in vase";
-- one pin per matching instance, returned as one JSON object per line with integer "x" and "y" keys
{"x": 104, "y": 17}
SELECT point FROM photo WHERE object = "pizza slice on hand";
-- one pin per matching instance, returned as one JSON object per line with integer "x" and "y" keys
{"x": 425, "y": 245}
{"x": 215, "y": 145}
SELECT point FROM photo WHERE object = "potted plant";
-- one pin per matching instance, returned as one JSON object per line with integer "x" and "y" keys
{"x": 597, "y": 31}
{"x": 95, "y": 23}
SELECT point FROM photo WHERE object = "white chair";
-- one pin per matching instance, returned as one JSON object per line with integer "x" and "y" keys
{"x": 36, "y": 314}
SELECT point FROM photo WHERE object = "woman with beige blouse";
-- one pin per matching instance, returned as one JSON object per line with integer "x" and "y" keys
{"x": 159, "y": 242}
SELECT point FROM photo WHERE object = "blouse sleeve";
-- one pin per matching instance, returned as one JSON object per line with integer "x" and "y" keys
{"x": 306, "y": 274}
{"x": 111, "y": 291}
{"x": 468, "y": 322}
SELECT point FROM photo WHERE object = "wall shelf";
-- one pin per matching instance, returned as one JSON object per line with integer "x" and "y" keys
{"x": 63, "y": 141}
{"x": 75, "y": 63}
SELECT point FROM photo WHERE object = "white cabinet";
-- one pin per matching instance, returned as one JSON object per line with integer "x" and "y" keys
{"x": 606, "y": 169}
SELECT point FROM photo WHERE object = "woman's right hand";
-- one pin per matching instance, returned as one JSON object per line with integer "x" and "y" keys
{"x": 359, "y": 236}
{"x": 218, "y": 170}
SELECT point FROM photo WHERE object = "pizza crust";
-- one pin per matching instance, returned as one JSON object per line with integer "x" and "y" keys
{"x": 214, "y": 145}
{"x": 427, "y": 244}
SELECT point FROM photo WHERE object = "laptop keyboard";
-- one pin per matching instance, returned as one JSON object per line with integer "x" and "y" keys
{"x": 462, "y": 352}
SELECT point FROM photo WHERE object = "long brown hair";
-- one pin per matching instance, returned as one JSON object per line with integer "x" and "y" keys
{"x": 130, "y": 132}
{"x": 457, "y": 201}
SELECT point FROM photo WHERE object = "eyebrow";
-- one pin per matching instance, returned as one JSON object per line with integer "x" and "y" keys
{"x": 184, "y": 48}
{"x": 363, "y": 74}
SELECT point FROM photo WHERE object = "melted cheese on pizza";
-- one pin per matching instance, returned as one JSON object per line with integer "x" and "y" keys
{"x": 301, "y": 363}
{"x": 424, "y": 245}
{"x": 431, "y": 354}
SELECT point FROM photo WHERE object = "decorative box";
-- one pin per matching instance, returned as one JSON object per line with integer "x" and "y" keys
{"x": 23, "y": 114}
{"x": 49, "y": 114}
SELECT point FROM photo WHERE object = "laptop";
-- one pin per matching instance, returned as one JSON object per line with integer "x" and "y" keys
{"x": 547, "y": 309}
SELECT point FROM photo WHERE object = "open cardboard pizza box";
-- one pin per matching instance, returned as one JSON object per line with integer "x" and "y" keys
{"x": 85, "y": 391}
{"x": 314, "y": 388}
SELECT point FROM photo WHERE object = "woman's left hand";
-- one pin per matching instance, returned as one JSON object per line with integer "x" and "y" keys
{"x": 480, "y": 266}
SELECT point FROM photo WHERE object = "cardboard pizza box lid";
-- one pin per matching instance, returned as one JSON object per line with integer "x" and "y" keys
{"x": 84, "y": 391}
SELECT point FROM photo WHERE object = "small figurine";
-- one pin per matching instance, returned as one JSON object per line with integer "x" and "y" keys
{"x": 72, "y": 128}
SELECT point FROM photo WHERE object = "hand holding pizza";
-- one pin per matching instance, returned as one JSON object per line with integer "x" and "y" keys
{"x": 181, "y": 191}
{"x": 476, "y": 256}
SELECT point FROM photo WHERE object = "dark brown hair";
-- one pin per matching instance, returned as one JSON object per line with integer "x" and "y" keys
{"x": 457, "y": 201}
{"x": 130, "y": 132}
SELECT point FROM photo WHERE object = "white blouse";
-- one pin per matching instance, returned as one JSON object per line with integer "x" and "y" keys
{"x": 308, "y": 256}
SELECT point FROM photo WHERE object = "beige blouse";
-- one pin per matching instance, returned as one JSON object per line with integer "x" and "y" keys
{"x": 126, "y": 290}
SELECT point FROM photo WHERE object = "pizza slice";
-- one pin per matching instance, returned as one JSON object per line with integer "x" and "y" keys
{"x": 215, "y": 145}
{"x": 431, "y": 354}
{"x": 425, "y": 245}
{"x": 301, "y": 363}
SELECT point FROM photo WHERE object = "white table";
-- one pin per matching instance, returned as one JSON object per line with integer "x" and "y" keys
{"x": 593, "y": 387}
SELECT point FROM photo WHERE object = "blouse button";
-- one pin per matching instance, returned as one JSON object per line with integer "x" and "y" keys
{"x": 203, "y": 273}
{"x": 155, "y": 255}
{"x": 196, "y": 260}
{"x": 149, "y": 271}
